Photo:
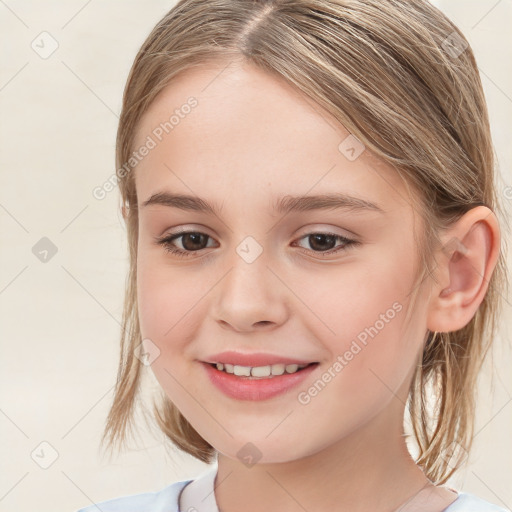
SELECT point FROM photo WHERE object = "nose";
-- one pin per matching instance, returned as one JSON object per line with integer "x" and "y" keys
{"x": 251, "y": 297}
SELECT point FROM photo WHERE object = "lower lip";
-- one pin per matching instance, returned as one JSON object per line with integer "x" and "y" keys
{"x": 245, "y": 388}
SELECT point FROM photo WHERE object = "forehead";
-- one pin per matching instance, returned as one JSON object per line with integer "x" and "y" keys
{"x": 251, "y": 133}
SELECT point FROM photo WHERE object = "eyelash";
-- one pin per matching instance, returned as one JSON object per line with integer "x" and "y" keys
{"x": 167, "y": 241}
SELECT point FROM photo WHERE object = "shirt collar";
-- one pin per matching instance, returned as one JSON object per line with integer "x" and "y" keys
{"x": 199, "y": 494}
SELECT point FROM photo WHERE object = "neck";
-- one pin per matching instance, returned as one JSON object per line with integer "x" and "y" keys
{"x": 368, "y": 470}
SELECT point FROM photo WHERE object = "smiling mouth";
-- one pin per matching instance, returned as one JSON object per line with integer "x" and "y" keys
{"x": 260, "y": 372}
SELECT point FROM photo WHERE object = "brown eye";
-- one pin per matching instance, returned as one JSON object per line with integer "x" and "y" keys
{"x": 192, "y": 241}
{"x": 323, "y": 243}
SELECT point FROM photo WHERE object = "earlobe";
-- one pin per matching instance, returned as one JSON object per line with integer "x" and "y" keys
{"x": 464, "y": 267}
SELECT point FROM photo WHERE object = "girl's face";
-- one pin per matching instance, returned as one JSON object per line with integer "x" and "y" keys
{"x": 282, "y": 282}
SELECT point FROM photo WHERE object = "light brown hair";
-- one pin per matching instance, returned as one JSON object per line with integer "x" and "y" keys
{"x": 384, "y": 69}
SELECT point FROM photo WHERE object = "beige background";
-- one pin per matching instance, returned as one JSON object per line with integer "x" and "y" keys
{"x": 60, "y": 319}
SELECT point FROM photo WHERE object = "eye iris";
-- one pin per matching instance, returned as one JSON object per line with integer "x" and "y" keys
{"x": 331, "y": 241}
{"x": 196, "y": 238}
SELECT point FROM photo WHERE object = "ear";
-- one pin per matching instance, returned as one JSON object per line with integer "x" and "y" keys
{"x": 464, "y": 266}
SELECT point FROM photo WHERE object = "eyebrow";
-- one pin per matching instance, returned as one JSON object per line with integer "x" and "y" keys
{"x": 282, "y": 205}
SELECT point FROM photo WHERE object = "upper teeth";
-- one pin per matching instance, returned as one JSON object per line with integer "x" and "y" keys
{"x": 259, "y": 371}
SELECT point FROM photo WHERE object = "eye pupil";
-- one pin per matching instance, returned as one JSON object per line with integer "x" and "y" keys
{"x": 316, "y": 241}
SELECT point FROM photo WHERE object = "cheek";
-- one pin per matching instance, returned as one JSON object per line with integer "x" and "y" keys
{"x": 167, "y": 300}
{"x": 168, "y": 307}
{"x": 372, "y": 355}
{"x": 363, "y": 310}
{"x": 352, "y": 298}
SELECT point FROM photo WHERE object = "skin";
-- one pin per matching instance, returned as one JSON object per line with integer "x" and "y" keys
{"x": 250, "y": 139}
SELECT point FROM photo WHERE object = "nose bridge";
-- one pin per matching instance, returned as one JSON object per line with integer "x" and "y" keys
{"x": 249, "y": 272}
{"x": 250, "y": 293}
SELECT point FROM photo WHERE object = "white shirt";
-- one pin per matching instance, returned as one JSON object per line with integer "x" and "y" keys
{"x": 199, "y": 493}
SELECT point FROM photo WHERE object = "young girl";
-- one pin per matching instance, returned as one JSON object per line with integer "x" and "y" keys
{"x": 308, "y": 192}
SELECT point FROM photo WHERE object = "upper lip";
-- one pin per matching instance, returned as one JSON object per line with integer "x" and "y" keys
{"x": 253, "y": 360}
